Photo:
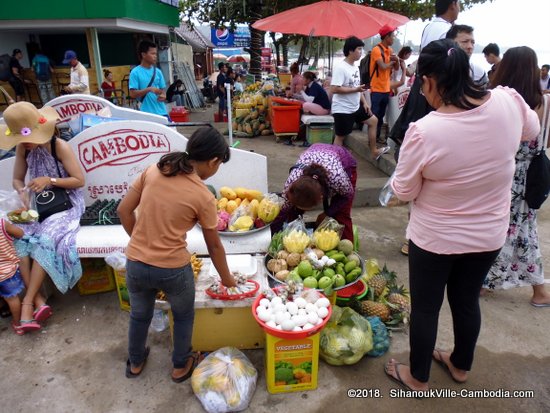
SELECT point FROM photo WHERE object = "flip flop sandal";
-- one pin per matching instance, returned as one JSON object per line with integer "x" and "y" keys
{"x": 398, "y": 379}
{"x": 197, "y": 358}
{"x": 29, "y": 325}
{"x": 42, "y": 313}
{"x": 17, "y": 328}
{"x": 129, "y": 373}
{"x": 442, "y": 363}
{"x": 541, "y": 305}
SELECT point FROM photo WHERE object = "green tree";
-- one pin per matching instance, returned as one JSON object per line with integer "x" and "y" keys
{"x": 232, "y": 12}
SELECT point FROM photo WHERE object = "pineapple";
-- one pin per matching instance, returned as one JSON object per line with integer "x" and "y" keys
{"x": 399, "y": 296}
{"x": 378, "y": 282}
{"x": 375, "y": 308}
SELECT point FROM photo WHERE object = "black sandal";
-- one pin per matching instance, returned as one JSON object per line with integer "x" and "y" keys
{"x": 197, "y": 358}
{"x": 129, "y": 373}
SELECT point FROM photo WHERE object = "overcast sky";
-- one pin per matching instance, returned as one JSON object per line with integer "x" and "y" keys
{"x": 505, "y": 22}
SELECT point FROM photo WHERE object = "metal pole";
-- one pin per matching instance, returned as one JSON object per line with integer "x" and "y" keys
{"x": 229, "y": 120}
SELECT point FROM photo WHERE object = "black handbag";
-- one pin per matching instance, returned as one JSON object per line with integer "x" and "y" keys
{"x": 52, "y": 200}
{"x": 537, "y": 183}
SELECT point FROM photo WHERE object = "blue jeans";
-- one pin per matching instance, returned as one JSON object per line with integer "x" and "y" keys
{"x": 379, "y": 103}
{"x": 143, "y": 282}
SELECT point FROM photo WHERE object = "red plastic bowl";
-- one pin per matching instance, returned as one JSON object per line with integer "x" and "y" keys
{"x": 218, "y": 296}
{"x": 289, "y": 335}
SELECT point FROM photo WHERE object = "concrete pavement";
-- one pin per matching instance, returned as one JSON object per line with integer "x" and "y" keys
{"x": 76, "y": 363}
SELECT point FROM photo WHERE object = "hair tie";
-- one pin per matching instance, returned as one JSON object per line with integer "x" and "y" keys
{"x": 186, "y": 153}
{"x": 314, "y": 176}
{"x": 450, "y": 51}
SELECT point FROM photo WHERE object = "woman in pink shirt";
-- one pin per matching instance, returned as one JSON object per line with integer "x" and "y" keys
{"x": 456, "y": 168}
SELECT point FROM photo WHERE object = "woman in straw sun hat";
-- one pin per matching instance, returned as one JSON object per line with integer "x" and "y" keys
{"x": 48, "y": 247}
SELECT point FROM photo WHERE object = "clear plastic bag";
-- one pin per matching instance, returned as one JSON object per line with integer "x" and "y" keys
{"x": 160, "y": 320}
{"x": 346, "y": 338}
{"x": 328, "y": 233}
{"x": 387, "y": 197}
{"x": 9, "y": 201}
{"x": 224, "y": 381}
{"x": 295, "y": 236}
{"x": 241, "y": 219}
{"x": 117, "y": 260}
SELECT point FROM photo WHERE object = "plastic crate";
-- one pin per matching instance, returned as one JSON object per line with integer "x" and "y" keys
{"x": 320, "y": 132}
{"x": 122, "y": 290}
{"x": 97, "y": 277}
{"x": 179, "y": 114}
{"x": 217, "y": 117}
{"x": 101, "y": 212}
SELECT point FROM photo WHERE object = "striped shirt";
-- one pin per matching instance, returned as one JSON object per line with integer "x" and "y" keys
{"x": 8, "y": 258}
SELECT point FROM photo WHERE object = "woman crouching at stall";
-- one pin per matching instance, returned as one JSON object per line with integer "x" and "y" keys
{"x": 320, "y": 105}
{"x": 172, "y": 198}
{"x": 324, "y": 174}
{"x": 49, "y": 246}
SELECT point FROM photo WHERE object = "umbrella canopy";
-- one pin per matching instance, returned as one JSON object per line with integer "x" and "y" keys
{"x": 219, "y": 56}
{"x": 238, "y": 58}
{"x": 333, "y": 18}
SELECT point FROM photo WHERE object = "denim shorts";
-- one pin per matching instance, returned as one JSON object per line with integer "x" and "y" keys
{"x": 12, "y": 286}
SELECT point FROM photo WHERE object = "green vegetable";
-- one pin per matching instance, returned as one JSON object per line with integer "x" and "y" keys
{"x": 276, "y": 244}
{"x": 306, "y": 365}
{"x": 338, "y": 257}
{"x": 350, "y": 266}
{"x": 284, "y": 374}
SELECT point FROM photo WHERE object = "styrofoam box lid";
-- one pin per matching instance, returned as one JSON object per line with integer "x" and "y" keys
{"x": 243, "y": 263}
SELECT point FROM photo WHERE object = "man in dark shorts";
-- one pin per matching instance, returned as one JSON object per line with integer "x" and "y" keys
{"x": 220, "y": 89}
{"x": 348, "y": 100}
{"x": 16, "y": 75}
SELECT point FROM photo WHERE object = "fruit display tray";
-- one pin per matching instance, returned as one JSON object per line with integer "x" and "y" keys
{"x": 101, "y": 212}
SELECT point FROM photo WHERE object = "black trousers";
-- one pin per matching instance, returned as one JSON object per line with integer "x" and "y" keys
{"x": 429, "y": 274}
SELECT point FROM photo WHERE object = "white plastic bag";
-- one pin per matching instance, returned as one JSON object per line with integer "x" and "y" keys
{"x": 9, "y": 201}
{"x": 117, "y": 260}
{"x": 224, "y": 381}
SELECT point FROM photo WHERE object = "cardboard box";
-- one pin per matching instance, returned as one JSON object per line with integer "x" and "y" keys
{"x": 301, "y": 356}
{"x": 122, "y": 291}
{"x": 97, "y": 277}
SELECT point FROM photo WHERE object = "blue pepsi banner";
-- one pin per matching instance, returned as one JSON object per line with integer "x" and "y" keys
{"x": 228, "y": 38}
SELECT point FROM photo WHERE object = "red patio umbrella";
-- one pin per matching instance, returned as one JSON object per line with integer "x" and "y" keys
{"x": 238, "y": 58}
{"x": 332, "y": 18}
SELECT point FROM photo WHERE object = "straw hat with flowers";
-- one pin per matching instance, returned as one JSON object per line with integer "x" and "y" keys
{"x": 26, "y": 124}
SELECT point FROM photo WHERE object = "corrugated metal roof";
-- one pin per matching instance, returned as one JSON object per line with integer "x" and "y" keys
{"x": 196, "y": 40}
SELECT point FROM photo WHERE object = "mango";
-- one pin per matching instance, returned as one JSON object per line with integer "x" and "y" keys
{"x": 231, "y": 206}
{"x": 228, "y": 193}
{"x": 222, "y": 203}
{"x": 254, "y": 208}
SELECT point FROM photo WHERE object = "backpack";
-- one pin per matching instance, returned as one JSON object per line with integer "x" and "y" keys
{"x": 537, "y": 183}
{"x": 41, "y": 66}
{"x": 5, "y": 71}
{"x": 364, "y": 68}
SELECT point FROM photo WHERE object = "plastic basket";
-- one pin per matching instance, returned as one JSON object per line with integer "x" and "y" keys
{"x": 289, "y": 334}
{"x": 285, "y": 119}
{"x": 248, "y": 294}
{"x": 359, "y": 290}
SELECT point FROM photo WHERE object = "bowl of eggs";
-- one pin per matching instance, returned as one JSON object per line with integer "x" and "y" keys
{"x": 300, "y": 316}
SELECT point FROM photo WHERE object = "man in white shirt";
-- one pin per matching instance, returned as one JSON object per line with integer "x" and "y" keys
{"x": 80, "y": 82}
{"x": 348, "y": 100}
{"x": 464, "y": 36}
{"x": 446, "y": 12}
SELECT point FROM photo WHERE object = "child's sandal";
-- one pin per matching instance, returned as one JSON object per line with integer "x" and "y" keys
{"x": 17, "y": 328}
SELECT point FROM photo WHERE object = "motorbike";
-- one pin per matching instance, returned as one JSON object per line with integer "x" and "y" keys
{"x": 208, "y": 90}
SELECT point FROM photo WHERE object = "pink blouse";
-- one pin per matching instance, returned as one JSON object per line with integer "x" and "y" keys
{"x": 457, "y": 170}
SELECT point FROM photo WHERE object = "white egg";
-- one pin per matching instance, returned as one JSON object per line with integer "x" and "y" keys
{"x": 300, "y": 302}
{"x": 260, "y": 309}
{"x": 312, "y": 317}
{"x": 311, "y": 307}
{"x": 264, "y": 316}
{"x": 319, "y": 321}
{"x": 292, "y": 307}
{"x": 279, "y": 307}
{"x": 301, "y": 320}
{"x": 264, "y": 302}
{"x": 271, "y": 324}
{"x": 302, "y": 311}
{"x": 278, "y": 327}
{"x": 288, "y": 316}
{"x": 276, "y": 300}
{"x": 322, "y": 312}
{"x": 279, "y": 317}
{"x": 322, "y": 302}
{"x": 297, "y": 328}
{"x": 288, "y": 325}
{"x": 307, "y": 326}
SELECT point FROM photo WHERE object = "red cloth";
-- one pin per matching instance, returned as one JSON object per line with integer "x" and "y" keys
{"x": 108, "y": 89}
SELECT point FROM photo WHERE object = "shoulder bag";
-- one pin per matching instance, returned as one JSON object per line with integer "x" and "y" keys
{"x": 140, "y": 99}
{"x": 537, "y": 184}
{"x": 52, "y": 200}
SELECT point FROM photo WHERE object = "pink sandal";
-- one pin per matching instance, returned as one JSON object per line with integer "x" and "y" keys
{"x": 27, "y": 326}
{"x": 17, "y": 328}
{"x": 42, "y": 313}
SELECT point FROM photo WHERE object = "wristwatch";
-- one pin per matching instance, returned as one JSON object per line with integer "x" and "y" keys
{"x": 53, "y": 181}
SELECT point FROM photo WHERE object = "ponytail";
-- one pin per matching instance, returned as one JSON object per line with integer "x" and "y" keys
{"x": 205, "y": 143}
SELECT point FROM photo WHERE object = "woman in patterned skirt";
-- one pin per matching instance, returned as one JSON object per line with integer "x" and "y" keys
{"x": 49, "y": 246}
{"x": 519, "y": 262}
{"x": 324, "y": 174}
